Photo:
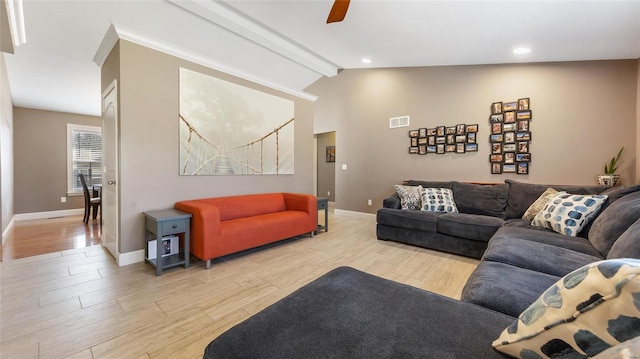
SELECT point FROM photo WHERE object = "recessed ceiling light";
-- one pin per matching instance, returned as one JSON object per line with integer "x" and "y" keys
{"x": 521, "y": 50}
{"x": 366, "y": 60}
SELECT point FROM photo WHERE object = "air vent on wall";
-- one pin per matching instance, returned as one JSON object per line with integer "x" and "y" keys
{"x": 402, "y": 121}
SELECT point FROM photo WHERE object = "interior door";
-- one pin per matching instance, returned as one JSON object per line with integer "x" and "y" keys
{"x": 110, "y": 225}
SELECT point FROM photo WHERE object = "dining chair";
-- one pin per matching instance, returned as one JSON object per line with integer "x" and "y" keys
{"x": 90, "y": 202}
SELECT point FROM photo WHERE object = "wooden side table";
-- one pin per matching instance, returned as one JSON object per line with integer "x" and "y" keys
{"x": 323, "y": 203}
{"x": 163, "y": 223}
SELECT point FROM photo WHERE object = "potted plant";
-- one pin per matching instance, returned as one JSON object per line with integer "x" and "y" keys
{"x": 610, "y": 178}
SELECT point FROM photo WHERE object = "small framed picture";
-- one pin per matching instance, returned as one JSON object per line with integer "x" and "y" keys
{"x": 496, "y": 147}
{"x": 496, "y": 128}
{"x": 523, "y": 104}
{"x": 414, "y": 141}
{"x": 509, "y": 137}
{"x": 431, "y": 140}
{"x": 496, "y": 107}
{"x": 460, "y": 147}
{"x": 440, "y": 140}
{"x": 496, "y": 158}
{"x": 523, "y": 168}
{"x": 431, "y": 149}
{"x": 496, "y": 138}
{"x": 440, "y": 149}
{"x": 451, "y": 130}
{"x": 523, "y": 125}
{"x": 523, "y": 157}
{"x": 440, "y": 131}
{"x": 471, "y": 147}
{"x": 523, "y": 115}
{"x": 496, "y": 118}
{"x": 523, "y": 147}
{"x": 471, "y": 137}
{"x": 422, "y": 132}
{"x": 422, "y": 150}
{"x": 414, "y": 133}
{"x": 422, "y": 140}
{"x": 510, "y": 106}
{"x": 509, "y": 127}
{"x": 461, "y": 138}
{"x": 331, "y": 153}
{"x": 523, "y": 136}
{"x": 509, "y": 147}
{"x": 509, "y": 168}
{"x": 472, "y": 128}
{"x": 460, "y": 129}
{"x": 450, "y": 148}
{"x": 509, "y": 157}
{"x": 413, "y": 150}
{"x": 510, "y": 117}
{"x": 451, "y": 139}
{"x": 431, "y": 131}
{"x": 496, "y": 168}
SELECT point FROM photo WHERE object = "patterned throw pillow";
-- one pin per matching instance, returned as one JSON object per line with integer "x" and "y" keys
{"x": 538, "y": 205}
{"x": 584, "y": 313}
{"x": 438, "y": 200}
{"x": 568, "y": 213}
{"x": 409, "y": 196}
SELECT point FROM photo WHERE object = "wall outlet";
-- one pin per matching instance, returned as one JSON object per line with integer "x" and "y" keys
{"x": 63, "y": 199}
{"x": 329, "y": 193}
{"x": 369, "y": 202}
{"x": 344, "y": 166}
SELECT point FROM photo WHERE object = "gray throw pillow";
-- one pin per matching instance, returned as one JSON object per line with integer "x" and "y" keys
{"x": 488, "y": 200}
{"x": 614, "y": 221}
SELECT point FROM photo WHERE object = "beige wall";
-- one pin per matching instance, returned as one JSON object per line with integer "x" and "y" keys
{"x": 6, "y": 149}
{"x": 583, "y": 112}
{"x": 41, "y": 159}
{"x": 149, "y": 139}
{"x": 326, "y": 170}
{"x": 638, "y": 127}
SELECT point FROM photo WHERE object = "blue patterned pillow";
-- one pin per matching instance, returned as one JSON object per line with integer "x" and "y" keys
{"x": 409, "y": 196}
{"x": 568, "y": 213}
{"x": 438, "y": 200}
{"x": 588, "y": 311}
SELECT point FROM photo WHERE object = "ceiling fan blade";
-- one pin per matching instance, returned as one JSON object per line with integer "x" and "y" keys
{"x": 338, "y": 11}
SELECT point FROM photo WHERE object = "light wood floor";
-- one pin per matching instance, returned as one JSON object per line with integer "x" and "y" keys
{"x": 78, "y": 304}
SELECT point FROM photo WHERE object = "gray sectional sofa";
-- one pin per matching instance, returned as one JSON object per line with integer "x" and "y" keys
{"x": 350, "y": 314}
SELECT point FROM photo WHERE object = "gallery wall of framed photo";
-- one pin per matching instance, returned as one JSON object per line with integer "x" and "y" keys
{"x": 444, "y": 139}
{"x": 510, "y": 136}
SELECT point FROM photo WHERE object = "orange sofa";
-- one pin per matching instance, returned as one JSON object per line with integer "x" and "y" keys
{"x": 225, "y": 225}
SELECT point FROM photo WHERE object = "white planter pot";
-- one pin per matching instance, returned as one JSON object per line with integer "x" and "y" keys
{"x": 609, "y": 180}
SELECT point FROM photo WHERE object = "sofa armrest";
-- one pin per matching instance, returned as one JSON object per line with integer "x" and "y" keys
{"x": 301, "y": 202}
{"x": 392, "y": 201}
{"x": 205, "y": 227}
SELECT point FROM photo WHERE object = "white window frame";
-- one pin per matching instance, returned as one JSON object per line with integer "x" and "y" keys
{"x": 71, "y": 128}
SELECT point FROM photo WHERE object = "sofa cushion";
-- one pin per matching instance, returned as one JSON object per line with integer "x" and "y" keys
{"x": 522, "y": 195}
{"x": 417, "y": 220}
{"x": 613, "y": 194}
{"x": 539, "y": 204}
{"x": 628, "y": 244}
{"x": 540, "y": 257}
{"x": 469, "y": 226}
{"x": 429, "y": 184}
{"x": 409, "y": 196}
{"x": 542, "y": 235}
{"x": 568, "y": 213}
{"x": 438, "y": 200}
{"x": 505, "y": 288}
{"x": 613, "y": 221}
{"x": 488, "y": 200}
{"x": 584, "y": 313}
{"x": 249, "y": 205}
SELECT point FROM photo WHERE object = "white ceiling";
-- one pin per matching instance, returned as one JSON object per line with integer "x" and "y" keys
{"x": 288, "y": 45}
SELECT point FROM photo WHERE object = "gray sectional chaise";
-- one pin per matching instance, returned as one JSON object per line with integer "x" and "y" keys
{"x": 350, "y": 314}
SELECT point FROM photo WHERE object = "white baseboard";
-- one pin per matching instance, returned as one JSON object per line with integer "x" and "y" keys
{"x": 130, "y": 257}
{"x": 343, "y": 212}
{"x": 5, "y": 233}
{"x": 48, "y": 214}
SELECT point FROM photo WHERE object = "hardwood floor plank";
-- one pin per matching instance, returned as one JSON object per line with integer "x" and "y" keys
{"x": 77, "y": 303}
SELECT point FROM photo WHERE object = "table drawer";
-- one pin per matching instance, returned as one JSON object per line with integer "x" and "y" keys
{"x": 175, "y": 226}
